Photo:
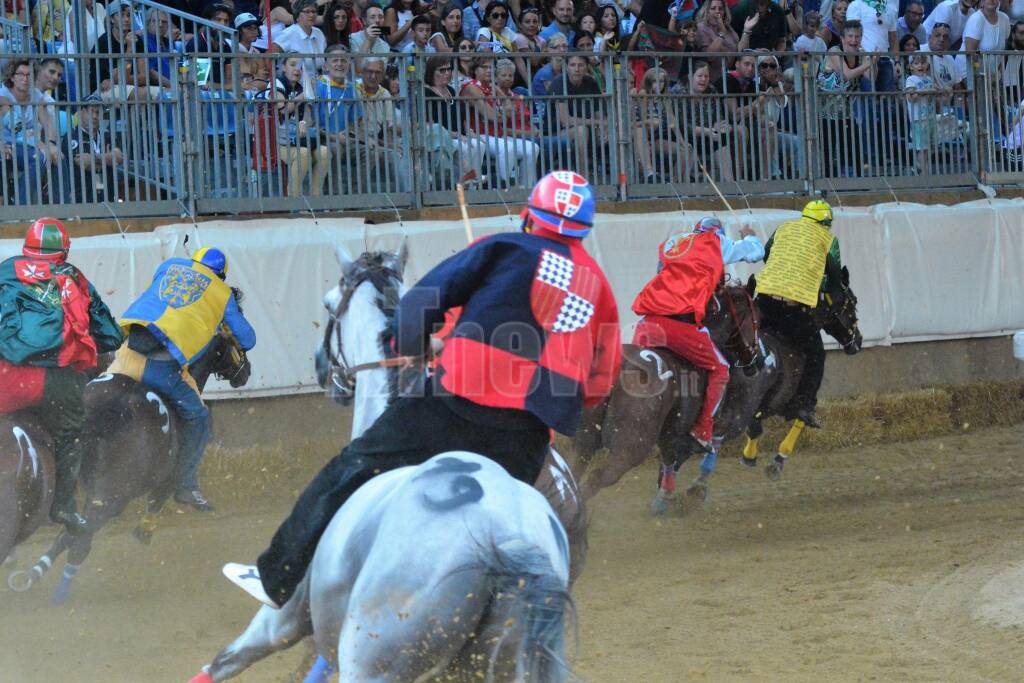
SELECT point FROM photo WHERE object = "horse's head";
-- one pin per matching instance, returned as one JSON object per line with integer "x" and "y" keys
{"x": 356, "y": 314}
{"x": 840, "y": 316}
{"x": 731, "y": 315}
{"x": 225, "y": 358}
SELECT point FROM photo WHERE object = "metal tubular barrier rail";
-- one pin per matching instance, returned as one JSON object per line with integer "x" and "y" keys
{"x": 181, "y": 131}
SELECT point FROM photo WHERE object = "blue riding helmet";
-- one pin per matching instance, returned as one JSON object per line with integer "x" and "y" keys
{"x": 214, "y": 259}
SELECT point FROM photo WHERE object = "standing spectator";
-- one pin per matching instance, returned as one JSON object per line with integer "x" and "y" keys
{"x": 280, "y": 18}
{"x": 986, "y": 30}
{"x": 878, "y": 21}
{"x": 742, "y": 107}
{"x": 771, "y": 102}
{"x": 95, "y": 21}
{"x": 496, "y": 36}
{"x": 656, "y": 13}
{"x": 516, "y": 158}
{"x": 908, "y": 46}
{"x": 715, "y": 34}
{"x": 446, "y": 39}
{"x": 832, "y": 28}
{"x": 383, "y": 125}
{"x": 946, "y": 70}
{"x": 912, "y": 22}
{"x": 369, "y": 40}
{"x": 954, "y": 14}
{"x": 703, "y": 121}
{"x": 840, "y": 73}
{"x": 304, "y": 38}
{"x": 922, "y": 109}
{"x": 157, "y": 39}
{"x": 809, "y": 40}
{"x": 474, "y": 17}
{"x": 337, "y": 27}
{"x": 302, "y": 152}
{"x": 564, "y": 12}
{"x": 442, "y": 109}
{"x": 528, "y": 40}
{"x": 764, "y": 24}
{"x": 95, "y": 154}
{"x": 420, "y": 37}
{"x": 581, "y": 116}
{"x": 398, "y": 18}
{"x": 1013, "y": 69}
{"x": 655, "y": 129}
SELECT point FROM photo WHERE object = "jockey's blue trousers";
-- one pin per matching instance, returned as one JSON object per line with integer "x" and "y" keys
{"x": 164, "y": 377}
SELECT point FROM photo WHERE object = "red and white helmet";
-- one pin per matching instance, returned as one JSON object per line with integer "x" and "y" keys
{"x": 562, "y": 202}
{"x": 708, "y": 224}
{"x": 47, "y": 239}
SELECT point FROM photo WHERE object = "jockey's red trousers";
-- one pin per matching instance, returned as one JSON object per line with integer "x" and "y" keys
{"x": 695, "y": 345}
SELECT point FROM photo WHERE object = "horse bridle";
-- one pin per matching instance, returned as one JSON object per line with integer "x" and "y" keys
{"x": 852, "y": 330}
{"x": 737, "y": 334}
{"x": 342, "y": 374}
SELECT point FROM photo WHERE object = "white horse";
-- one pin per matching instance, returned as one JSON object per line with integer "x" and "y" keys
{"x": 451, "y": 570}
{"x": 356, "y": 346}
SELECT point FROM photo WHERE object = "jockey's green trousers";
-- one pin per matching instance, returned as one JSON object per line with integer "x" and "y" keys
{"x": 62, "y": 414}
{"x": 409, "y": 432}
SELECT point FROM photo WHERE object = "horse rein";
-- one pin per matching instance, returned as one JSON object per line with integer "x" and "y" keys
{"x": 751, "y": 348}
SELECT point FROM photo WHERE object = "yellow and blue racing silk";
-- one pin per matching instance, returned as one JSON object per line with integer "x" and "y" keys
{"x": 183, "y": 307}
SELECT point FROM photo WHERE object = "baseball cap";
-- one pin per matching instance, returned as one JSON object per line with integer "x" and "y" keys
{"x": 244, "y": 19}
{"x": 118, "y": 6}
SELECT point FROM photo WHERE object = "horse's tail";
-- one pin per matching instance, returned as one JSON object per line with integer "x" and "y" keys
{"x": 536, "y": 616}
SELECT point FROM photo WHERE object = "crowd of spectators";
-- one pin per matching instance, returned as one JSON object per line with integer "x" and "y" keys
{"x": 510, "y": 88}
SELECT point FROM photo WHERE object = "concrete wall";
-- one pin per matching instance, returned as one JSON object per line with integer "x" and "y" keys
{"x": 311, "y": 422}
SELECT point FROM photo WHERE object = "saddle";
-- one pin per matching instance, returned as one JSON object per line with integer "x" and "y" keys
{"x": 21, "y": 386}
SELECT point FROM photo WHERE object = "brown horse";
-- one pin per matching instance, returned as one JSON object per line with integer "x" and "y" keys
{"x": 130, "y": 451}
{"x": 26, "y": 479}
{"x": 658, "y": 396}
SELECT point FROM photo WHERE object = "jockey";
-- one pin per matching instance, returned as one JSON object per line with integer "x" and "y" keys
{"x": 672, "y": 305}
{"x": 53, "y": 324}
{"x": 168, "y": 328}
{"x": 801, "y": 260}
{"x": 537, "y": 340}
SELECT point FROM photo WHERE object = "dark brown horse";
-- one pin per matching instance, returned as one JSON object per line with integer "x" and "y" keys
{"x": 131, "y": 440}
{"x": 658, "y": 395}
{"x": 26, "y": 479}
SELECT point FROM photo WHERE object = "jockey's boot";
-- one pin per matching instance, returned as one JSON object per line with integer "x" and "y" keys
{"x": 247, "y": 577}
{"x": 806, "y": 415}
{"x": 194, "y": 498}
{"x": 75, "y": 523}
{"x": 64, "y": 510}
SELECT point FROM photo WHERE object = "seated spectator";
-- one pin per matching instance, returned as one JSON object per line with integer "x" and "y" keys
{"x": 465, "y": 63}
{"x": 383, "y": 126}
{"x": 907, "y": 47}
{"x": 49, "y": 74}
{"x": 609, "y": 31}
{"x": 656, "y": 130}
{"x": 97, "y": 159}
{"x": 337, "y": 26}
{"x": 583, "y": 43}
{"x": 840, "y": 73}
{"x": 442, "y": 109}
{"x": 95, "y": 21}
{"x": 715, "y": 34}
{"x": 743, "y": 108}
{"x": 280, "y": 18}
{"x": 28, "y": 139}
{"x": 1013, "y": 69}
{"x": 564, "y": 12}
{"x": 370, "y": 39}
{"x": 912, "y": 23}
{"x": 764, "y": 24}
{"x": 954, "y": 14}
{"x": 496, "y": 36}
{"x": 946, "y": 70}
{"x": 550, "y": 72}
{"x": 420, "y": 37}
{"x": 336, "y": 107}
{"x": 516, "y": 159}
{"x": 254, "y": 70}
{"x": 299, "y": 147}
{"x": 520, "y": 122}
{"x": 304, "y": 38}
{"x": 581, "y": 115}
{"x": 447, "y": 37}
{"x": 809, "y": 40}
{"x": 120, "y": 79}
{"x": 398, "y": 19}
{"x": 528, "y": 40}
{"x": 207, "y": 40}
{"x": 832, "y": 28}
{"x": 705, "y": 125}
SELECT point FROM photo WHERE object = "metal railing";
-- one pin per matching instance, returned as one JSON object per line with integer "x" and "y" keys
{"x": 216, "y": 136}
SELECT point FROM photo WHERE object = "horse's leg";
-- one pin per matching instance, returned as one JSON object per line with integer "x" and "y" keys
{"x": 754, "y": 432}
{"x": 774, "y": 469}
{"x": 143, "y": 532}
{"x": 81, "y": 546}
{"x": 270, "y": 631}
{"x": 588, "y": 439}
{"x": 699, "y": 488}
{"x": 21, "y": 581}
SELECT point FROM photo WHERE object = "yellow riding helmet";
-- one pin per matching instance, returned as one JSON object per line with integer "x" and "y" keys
{"x": 819, "y": 211}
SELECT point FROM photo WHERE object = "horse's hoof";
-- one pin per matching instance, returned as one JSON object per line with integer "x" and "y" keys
{"x": 142, "y": 535}
{"x": 8, "y": 561}
{"x": 774, "y": 470}
{"x": 749, "y": 462}
{"x": 659, "y": 505}
{"x": 699, "y": 490}
{"x": 20, "y": 581}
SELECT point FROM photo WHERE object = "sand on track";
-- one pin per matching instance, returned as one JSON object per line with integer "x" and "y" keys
{"x": 879, "y": 563}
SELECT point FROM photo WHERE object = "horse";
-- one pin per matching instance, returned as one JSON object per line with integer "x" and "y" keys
{"x": 27, "y": 476}
{"x": 356, "y": 344}
{"x": 451, "y": 570}
{"x": 750, "y": 399}
{"x": 130, "y": 447}
{"x": 658, "y": 396}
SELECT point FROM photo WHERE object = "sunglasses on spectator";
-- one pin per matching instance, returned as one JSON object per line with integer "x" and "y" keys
{"x": 939, "y": 24}
{"x": 767, "y": 65}
{"x": 499, "y": 15}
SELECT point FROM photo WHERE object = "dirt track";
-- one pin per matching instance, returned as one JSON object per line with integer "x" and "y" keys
{"x": 861, "y": 565}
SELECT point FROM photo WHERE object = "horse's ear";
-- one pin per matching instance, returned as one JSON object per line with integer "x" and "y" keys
{"x": 751, "y": 285}
{"x": 403, "y": 255}
{"x": 344, "y": 260}
{"x": 846, "y": 276}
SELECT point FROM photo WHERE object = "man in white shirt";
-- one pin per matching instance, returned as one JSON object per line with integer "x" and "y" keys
{"x": 878, "y": 19}
{"x": 953, "y": 13}
{"x": 369, "y": 39}
{"x": 303, "y": 37}
{"x": 912, "y": 23}
{"x": 945, "y": 70}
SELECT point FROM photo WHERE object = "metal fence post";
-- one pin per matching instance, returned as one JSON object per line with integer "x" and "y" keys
{"x": 979, "y": 113}
{"x": 414, "y": 111}
{"x": 620, "y": 115}
{"x": 188, "y": 103}
{"x": 808, "y": 104}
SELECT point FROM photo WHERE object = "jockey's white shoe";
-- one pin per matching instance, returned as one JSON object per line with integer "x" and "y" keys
{"x": 247, "y": 577}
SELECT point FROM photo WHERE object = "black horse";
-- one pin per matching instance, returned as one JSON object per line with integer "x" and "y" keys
{"x": 130, "y": 447}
